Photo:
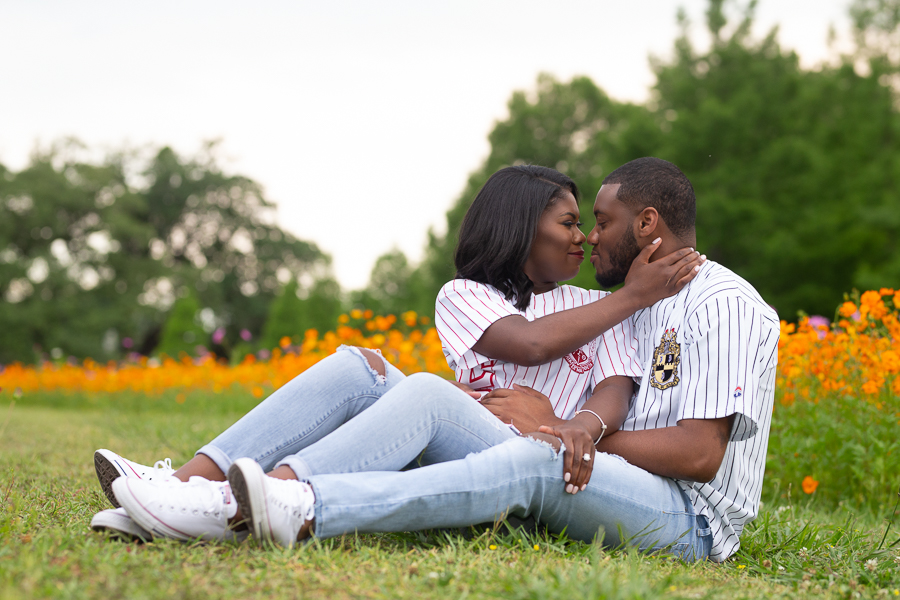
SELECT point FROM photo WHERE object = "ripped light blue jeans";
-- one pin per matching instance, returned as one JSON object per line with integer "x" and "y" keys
{"x": 348, "y": 431}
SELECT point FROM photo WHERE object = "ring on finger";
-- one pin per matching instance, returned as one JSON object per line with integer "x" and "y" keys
{"x": 586, "y": 457}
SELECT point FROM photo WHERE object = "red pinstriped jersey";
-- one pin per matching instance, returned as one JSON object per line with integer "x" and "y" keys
{"x": 464, "y": 309}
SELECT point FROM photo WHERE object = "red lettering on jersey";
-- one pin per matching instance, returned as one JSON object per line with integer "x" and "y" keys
{"x": 490, "y": 384}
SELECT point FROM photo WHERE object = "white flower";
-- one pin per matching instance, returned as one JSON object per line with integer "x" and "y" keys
{"x": 872, "y": 564}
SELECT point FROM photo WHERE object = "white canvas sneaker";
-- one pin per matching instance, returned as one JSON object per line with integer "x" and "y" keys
{"x": 110, "y": 466}
{"x": 276, "y": 508}
{"x": 196, "y": 509}
{"x": 117, "y": 522}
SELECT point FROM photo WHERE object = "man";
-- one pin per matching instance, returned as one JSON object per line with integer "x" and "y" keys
{"x": 685, "y": 471}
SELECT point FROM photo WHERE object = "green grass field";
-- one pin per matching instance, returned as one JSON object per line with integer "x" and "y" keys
{"x": 797, "y": 548}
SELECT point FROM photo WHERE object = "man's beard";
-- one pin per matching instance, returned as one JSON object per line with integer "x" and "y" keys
{"x": 620, "y": 260}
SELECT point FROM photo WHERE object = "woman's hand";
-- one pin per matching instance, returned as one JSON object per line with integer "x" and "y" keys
{"x": 650, "y": 282}
{"x": 579, "y": 444}
{"x": 466, "y": 388}
{"x": 523, "y": 407}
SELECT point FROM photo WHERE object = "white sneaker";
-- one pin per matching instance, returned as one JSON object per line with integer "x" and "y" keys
{"x": 110, "y": 466}
{"x": 276, "y": 508}
{"x": 117, "y": 522}
{"x": 196, "y": 509}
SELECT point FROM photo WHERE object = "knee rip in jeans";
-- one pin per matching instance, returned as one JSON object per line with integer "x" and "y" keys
{"x": 374, "y": 362}
{"x": 615, "y": 456}
{"x": 558, "y": 452}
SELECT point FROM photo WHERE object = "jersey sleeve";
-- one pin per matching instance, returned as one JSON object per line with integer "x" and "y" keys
{"x": 722, "y": 366}
{"x": 464, "y": 309}
{"x": 617, "y": 353}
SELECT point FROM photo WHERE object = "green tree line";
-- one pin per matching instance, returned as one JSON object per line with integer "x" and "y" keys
{"x": 795, "y": 170}
{"x": 95, "y": 256}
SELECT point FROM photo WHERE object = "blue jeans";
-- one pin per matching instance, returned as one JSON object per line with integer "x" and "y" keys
{"x": 347, "y": 430}
{"x": 319, "y": 422}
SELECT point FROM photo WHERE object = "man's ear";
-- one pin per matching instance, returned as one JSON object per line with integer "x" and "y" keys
{"x": 647, "y": 224}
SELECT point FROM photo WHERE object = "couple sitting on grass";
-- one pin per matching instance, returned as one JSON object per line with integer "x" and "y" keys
{"x": 639, "y": 417}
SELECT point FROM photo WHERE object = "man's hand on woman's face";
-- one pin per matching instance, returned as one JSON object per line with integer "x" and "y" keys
{"x": 522, "y": 406}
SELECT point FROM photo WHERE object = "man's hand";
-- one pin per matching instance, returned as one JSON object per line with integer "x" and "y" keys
{"x": 523, "y": 407}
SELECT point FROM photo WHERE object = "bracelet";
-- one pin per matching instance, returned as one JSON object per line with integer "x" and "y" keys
{"x": 602, "y": 430}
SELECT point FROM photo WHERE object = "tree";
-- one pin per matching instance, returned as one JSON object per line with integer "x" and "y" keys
{"x": 182, "y": 331}
{"x": 285, "y": 317}
{"x": 388, "y": 289}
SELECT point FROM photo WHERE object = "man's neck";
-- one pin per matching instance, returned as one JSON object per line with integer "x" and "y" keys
{"x": 670, "y": 244}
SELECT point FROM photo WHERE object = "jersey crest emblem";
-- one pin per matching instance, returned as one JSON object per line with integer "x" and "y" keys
{"x": 666, "y": 358}
{"x": 579, "y": 361}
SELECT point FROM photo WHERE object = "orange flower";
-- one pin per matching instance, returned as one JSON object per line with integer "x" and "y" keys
{"x": 847, "y": 309}
{"x": 809, "y": 484}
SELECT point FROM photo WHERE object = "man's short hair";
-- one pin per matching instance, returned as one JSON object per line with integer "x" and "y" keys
{"x": 659, "y": 184}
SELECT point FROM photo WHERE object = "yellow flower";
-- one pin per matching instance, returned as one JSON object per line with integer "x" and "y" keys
{"x": 537, "y": 547}
{"x": 492, "y": 547}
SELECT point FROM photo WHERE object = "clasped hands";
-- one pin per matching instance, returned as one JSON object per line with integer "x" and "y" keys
{"x": 530, "y": 412}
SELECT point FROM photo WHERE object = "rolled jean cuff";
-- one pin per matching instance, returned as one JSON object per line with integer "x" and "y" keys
{"x": 222, "y": 460}
{"x": 297, "y": 465}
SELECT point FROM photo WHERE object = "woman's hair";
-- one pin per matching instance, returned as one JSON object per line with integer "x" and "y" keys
{"x": 496, "y": 234}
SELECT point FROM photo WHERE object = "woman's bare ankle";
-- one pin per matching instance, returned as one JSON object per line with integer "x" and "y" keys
{"x": 283, "y": 472}
{"x": 200, "y": 466}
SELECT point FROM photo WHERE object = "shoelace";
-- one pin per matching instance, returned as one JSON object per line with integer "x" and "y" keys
{"x": 163, "y": 465}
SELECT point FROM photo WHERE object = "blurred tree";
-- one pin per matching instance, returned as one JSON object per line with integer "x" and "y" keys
{"x": 93, "y": 253}
{"x": 388, "y": 289}
{"x": 285, "y": 318}
{"x": 182, "y": 331}
{"x": 322, "y": 305}
{"x": 877, "y": 30}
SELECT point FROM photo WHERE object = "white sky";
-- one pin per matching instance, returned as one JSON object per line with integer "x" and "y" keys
{"x": 361, "y": 119}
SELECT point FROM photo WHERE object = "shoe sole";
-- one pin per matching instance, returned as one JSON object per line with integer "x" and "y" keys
{"x": 248, "y": 487}
{"x": 121, "y": 527}
{"x": 107, "y": 472}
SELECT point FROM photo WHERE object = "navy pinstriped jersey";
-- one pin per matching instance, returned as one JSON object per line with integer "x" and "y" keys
{"x": 708, "y": 352}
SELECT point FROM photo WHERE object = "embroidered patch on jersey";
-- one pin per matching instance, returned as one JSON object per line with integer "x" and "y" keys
{"x": 579, "y": 361}
{"x": 666, "y": 358}
{"x": 738, "y": 392}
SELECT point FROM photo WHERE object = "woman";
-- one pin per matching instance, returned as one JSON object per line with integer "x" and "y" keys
{"x": 518, "y": 240}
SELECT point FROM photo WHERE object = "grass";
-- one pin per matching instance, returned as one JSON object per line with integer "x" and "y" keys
{"x": 797, "y": 548}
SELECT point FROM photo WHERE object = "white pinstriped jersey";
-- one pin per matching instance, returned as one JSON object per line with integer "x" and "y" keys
{"x": 464, "y": 309}
{"x": 708, "y": 352}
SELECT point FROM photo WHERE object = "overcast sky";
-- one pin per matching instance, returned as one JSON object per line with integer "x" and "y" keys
{"x": 361, "y": 119}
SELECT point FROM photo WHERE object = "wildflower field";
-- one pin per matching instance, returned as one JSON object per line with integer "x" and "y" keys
{"x": 826, "y": 525}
